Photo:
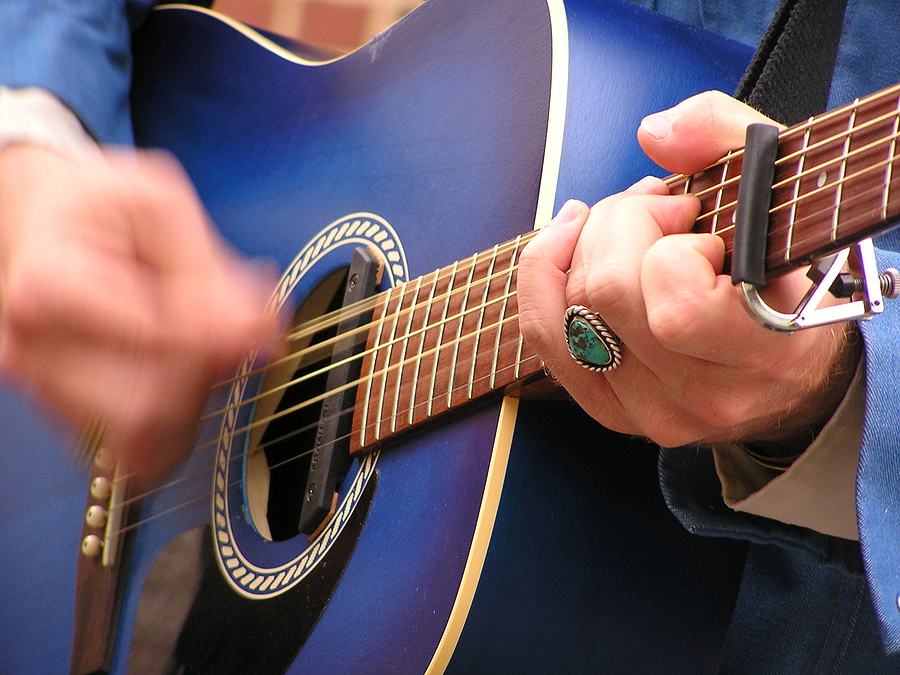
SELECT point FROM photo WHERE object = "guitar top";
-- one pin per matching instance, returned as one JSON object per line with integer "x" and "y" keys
{"x": 464, "y": 125}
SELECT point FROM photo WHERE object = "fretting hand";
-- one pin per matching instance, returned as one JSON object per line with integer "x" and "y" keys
{"x": 696, "y": 368}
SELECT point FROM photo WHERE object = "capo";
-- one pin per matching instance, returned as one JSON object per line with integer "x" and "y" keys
{"x": 751, "y": 218}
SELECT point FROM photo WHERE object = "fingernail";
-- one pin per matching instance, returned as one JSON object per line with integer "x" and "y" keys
{"x": 657, "y": 125}
{"x": 569, "y": 211}
{"x": 644, "y": 183}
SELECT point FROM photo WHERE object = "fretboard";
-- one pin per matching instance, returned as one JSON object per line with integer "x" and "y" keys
{"x": 441, "y": 341}
{"x": 836, "y": 182}
{"x": 452, "y": 337}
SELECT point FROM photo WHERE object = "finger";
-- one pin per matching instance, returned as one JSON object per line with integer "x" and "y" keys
{"x": 608, "y": 260}
{"x": 694, "y": 310}
{"x": 542, "y": 277}
{"x": 150, "y": 410}
{"x": 691, "y": 308}
{"x": 154, "y": 189}
{"x": 697, "y": 132}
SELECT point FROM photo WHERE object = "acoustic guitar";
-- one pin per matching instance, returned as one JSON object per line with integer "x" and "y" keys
{"x": 457, "y": 528}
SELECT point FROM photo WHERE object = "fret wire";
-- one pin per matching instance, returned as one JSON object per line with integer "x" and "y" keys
{"x": 403, "y": 348}
{"x": 338, "y": 315}
{"x": 391, "y": 343}
{"x": 461, "y": 387}
{"x": 781, "y": 161}
{"x": 484, "y": 299}
{"x": 527, "y": 236}
{"x": 199, "y": 472}
{"x": 440, "y": 339}
{"x": 859, "y": 175}
{"x": 888, "y": 176}
{"x": 842, "y": 171}
{"x": 381, "y": 373}
{"x": 511, "y": 273}
{"x": 803, "y": 129}
{"x": 792, "y": 217}
{"x": 864, "y": 195}
{"x": 333, "y": 318}
{"x": 425, "y": 325}
{"x": 374, "y": 357}
{"x": 730, "y": 181}
{"x": 892, "y": 155}
{"x": 520, "y": 360}
{"x": 720, "y": 194}
{"x": 459, "y": 330}
{"x": 379, "y": 349}
{"x": 807, "y": 173}
{"x": 520, "y": 347}
{"x": 800, "y": 129}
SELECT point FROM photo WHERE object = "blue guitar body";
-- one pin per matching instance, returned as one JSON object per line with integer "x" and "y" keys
{"x": 542, "y": 547}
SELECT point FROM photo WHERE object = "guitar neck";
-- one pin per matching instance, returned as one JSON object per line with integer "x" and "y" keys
{"x": 452, "y": 336}
{"x": 836, "y": 182}
{"x": 441, "y": 341}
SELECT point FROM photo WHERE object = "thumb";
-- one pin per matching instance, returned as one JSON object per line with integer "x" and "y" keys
{"x": 697, "y": 132}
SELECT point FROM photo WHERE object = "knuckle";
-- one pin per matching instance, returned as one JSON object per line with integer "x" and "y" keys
{"x": 607, "y": 285}
{"x": 673, "y": 323}
{"x": 722, "y": 414}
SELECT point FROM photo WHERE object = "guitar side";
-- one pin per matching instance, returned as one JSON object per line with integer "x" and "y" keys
{"x": 439, "y": 126}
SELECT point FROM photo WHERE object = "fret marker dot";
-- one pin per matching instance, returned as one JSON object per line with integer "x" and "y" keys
{"x": 823, "y": 178}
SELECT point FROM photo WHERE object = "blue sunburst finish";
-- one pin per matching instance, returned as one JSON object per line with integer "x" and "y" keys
{"x": 440, "y": 128}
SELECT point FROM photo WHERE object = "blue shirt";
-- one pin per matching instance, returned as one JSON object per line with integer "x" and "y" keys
{"x": 868, "y": 52}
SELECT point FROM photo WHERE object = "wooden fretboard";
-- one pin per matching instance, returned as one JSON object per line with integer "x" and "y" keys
{"x": 452, "y": 336}
{"x": 836, "y": 182}
{"x": 440, "y": 341}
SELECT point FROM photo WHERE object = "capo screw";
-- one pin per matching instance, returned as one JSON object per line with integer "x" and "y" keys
{"x": 890, "y": 282}
{"x": 845, "y": 285}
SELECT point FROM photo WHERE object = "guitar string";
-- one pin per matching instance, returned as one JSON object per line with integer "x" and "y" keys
{"x": 811, "y": 195}
{"x": 412, "y": 308}
{"x": 242, "y": 455}
{"x": 706, "y": 215}
{"x": 332, "y": 319}
{"x": 382, "y": 374}
{"x": 834, "y": 140}
{"x": 870, "y": 149}
{"x": 327, "y": 321}
{"x": 435, "y": 350}
{"x": 403, "y": 311}
{"x": 406, "y": 338}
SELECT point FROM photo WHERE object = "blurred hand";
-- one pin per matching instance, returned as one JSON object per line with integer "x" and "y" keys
{"x": 117, "y": 298}
{"x": 696, "y": 367}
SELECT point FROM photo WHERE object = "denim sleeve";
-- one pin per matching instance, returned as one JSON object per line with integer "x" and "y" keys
{"x": 693, "y": 492}
{"x": 78, "y": 50}
{"x": 878, "y": 477}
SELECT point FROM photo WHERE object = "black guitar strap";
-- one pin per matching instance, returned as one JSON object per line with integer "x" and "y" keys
{"x": 790, "y": 75}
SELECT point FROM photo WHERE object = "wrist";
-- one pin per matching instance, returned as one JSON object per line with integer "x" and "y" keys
{"x": 36, "y": 117}
{"x": 782, "y": 444}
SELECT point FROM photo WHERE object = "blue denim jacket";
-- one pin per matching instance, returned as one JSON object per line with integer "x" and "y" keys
{"x": 811, "y": 603}
{"x": 867, "y": 57}
{"x": 95, "y": 49}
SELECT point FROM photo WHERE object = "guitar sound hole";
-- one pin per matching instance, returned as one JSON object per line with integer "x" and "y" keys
{"x": 281, "y": 450}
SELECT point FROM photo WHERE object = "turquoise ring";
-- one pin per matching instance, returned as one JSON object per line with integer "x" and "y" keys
{"x": 591, "y": 342}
